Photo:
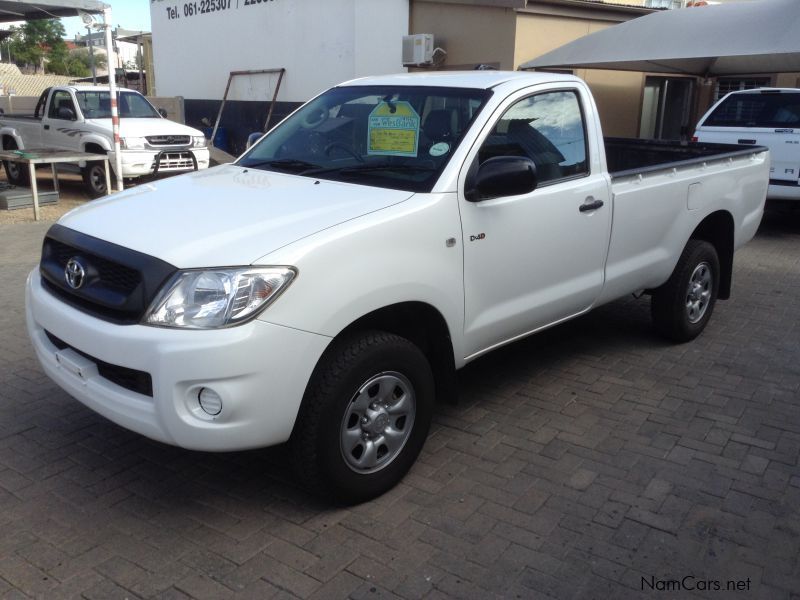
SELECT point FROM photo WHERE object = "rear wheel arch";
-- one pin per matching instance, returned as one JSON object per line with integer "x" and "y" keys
{"x": 9, "y": 142}
{"x": 717, "y": 229}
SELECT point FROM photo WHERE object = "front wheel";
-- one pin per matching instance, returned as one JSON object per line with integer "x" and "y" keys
{"x": 682, "y": 307}
{"x": 94, "y": 179}
{"x": 364, "y": 417}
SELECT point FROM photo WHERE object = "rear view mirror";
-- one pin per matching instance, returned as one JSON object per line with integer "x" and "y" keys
{"x": 253, "y": 138}
{"x": 163, "y": 112}
{"x": 502, "y": 176}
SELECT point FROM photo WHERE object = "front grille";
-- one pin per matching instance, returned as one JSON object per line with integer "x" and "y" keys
{"x": 118, "y": 284}
{"x": 168, "y": 140}
{"x": 113, "y": 274}
{"x": 130, "y": 379}
{"x": 170, "y": 161}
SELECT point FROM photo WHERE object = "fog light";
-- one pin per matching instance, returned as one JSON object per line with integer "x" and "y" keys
{"x": 210, "y": 401}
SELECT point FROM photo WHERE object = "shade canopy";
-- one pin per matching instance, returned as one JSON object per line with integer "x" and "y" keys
{"x": 727, "y": 39}
{"x": 20, "y": 10}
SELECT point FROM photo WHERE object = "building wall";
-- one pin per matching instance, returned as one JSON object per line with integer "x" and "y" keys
{"x": 319, "y": 42}
{"x": 505, "y": 38}
{"x": 470, "y": 34}
{"x": 787, "y": 80}
{"x": 618, "y": 94}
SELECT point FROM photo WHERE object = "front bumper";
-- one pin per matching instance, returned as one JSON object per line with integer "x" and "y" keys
{"x": 259, "y": 369}
{"x": 137, "y": 163}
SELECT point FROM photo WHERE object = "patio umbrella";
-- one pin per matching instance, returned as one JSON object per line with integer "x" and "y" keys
{"x": 726, "y": 39}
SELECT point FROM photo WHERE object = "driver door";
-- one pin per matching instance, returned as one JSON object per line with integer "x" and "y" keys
{"x": 533, "y": 259}
{"x": 58, "y": 131}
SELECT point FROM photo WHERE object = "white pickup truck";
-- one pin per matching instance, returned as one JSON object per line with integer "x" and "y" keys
{"x": 767, "y": 117}
{"x": 325, "y": 288}
{"x": 79, "y": 119}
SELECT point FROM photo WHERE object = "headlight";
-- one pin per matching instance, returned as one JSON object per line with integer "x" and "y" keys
{"x": 198, "y": 141}
{"x": 132, "y": 143}
{"x": 215, "y": 298}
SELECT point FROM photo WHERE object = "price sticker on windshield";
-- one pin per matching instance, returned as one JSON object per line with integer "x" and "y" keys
{"x": 393, "y": 129}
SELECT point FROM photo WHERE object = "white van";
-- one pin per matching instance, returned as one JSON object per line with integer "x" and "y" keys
{"x": 763, "y": 117}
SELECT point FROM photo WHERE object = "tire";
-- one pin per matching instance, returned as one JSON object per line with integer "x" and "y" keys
{"x": 366, "y": 386}
{"x": 682, "y": 307}
{"x": 16, "y": 173}
{"x": 94, "y": 179}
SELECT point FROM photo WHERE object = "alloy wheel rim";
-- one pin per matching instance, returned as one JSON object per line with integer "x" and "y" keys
{"x": 698, "y": 292}
{"x": 377, "y": 422}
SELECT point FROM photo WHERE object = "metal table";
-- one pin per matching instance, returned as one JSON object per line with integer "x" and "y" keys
{"x": 44, "y": 156}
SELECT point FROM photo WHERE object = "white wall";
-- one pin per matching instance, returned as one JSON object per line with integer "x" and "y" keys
{"x": 319, "y": 42}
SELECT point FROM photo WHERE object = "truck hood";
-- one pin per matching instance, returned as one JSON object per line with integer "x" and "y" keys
{"x": 145, "y": 127}
{"x": 224, "y": 216}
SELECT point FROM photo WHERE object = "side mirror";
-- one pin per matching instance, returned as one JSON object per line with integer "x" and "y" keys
{"x": 66, "y": 114}
{"x": 163, "y": 112}
{"x": 502, "y": 176}
{"x": 253, "y": 138}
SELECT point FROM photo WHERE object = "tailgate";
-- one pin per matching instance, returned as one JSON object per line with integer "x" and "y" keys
{"x": 784, "y": 146}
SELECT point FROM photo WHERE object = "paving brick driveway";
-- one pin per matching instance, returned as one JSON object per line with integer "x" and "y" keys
{"x": 578, "y": 463}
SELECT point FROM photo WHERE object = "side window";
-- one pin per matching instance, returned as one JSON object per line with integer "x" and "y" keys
{"x": 548, "y": 128}
{"x": 61, "y": 99}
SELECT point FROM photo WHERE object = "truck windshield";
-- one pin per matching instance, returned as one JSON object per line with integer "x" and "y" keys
{"x": 770, "y": 110}
{"x": 398, "y": 137}
{"x": 132, "y": 105}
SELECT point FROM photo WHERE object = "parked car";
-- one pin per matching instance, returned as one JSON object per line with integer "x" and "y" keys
{"x": 765, "y": 117}
{"x": 79, "y": 119}
{"x": 325, "y": 288}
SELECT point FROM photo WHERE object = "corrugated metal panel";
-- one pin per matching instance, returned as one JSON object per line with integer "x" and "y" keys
{"x": 14, "y": 82}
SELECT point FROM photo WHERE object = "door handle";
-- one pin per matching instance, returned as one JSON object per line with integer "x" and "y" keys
{"x": 47, "y": 126}
{"x": 590, "y": 204}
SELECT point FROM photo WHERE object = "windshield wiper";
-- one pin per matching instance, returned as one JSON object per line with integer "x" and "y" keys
{"x": 367, "y": 168}
{"x": 284, "y": 164}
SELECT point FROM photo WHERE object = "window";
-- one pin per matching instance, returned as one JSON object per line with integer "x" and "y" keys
{"x": 728, "y": 85}
{"x": 398, "y": 137}
{"x": 61, "y": 99}
{"x": 132, "y": 105}
{"x": 668, "y": 4}
{"x": 548, "y": 129}
{"x": 757, "y": 110}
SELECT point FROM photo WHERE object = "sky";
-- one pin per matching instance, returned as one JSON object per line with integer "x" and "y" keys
{"x": 128, "y": 14}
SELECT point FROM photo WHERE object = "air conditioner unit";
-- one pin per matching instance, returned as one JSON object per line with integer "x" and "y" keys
{"x": 417, "y": 49}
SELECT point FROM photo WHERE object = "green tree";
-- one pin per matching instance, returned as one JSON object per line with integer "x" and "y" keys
{"x": 35, "y": 41}
{"x": 81, "y": 62}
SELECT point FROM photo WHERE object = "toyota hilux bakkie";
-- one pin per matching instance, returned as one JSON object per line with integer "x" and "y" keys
{"x": 326, "y": 287}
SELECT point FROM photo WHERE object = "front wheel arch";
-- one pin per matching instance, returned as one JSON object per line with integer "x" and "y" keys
{"x": 349, "y": 366}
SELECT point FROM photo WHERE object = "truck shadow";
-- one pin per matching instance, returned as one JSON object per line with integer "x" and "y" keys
{"x": 780, "y": 220}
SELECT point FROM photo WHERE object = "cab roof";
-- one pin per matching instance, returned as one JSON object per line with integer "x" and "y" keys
{"x": 462, "y": 79}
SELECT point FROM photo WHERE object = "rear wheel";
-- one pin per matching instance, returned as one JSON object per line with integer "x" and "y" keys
{"x": 682, "y": 307}
{"x": 364, "y": 418}
{"x": 16, "y": 173}
{"x": 94, "y": 179}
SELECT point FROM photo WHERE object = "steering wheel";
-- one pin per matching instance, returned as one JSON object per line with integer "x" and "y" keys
{"x": 343, "y": 147}
{"x": 315, "y": 143}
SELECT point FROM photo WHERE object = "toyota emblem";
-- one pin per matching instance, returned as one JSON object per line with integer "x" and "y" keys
{"x": 74, "y": 273}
